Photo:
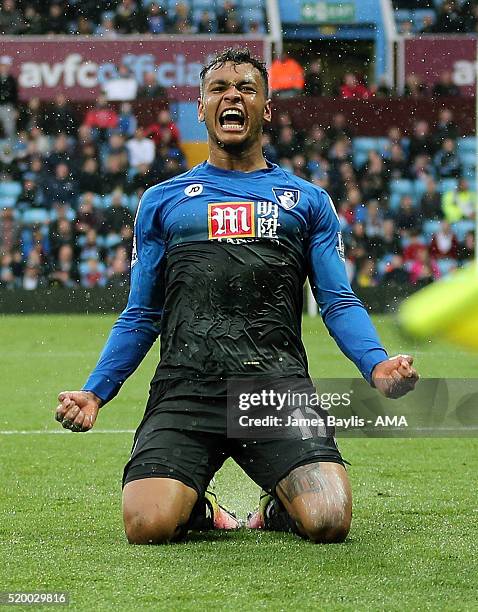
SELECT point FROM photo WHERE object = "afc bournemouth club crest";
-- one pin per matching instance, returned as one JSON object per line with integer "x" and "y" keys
{"x": 287, "y": 198}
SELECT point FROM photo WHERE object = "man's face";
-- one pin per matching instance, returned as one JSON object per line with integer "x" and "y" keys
{"x": 234, "y": 105}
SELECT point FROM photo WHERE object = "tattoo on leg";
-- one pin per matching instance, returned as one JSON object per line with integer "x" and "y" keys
{"x": 304, "y": 479}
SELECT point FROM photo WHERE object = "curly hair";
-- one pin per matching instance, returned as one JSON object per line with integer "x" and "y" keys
{"x": 236, "y": 55}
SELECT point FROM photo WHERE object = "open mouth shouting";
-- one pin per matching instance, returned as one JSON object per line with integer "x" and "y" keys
{"x": 232, "y": 120}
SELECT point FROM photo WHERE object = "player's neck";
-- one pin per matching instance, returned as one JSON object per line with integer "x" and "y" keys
{"x": 243, "y": 161}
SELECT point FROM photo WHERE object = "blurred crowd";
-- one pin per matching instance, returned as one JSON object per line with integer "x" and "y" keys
{"x": 431, "y": 17}
{"x": 289, "y": 78}
{"x": 406, "y": 210}
{"x": 69, "y": 189}
{"x": 110, "y": 18}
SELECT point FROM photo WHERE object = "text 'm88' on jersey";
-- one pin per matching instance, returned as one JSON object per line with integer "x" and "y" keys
{"x": 220, "y": 259}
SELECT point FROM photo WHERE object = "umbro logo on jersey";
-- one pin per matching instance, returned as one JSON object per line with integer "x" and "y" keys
{"x": 287, "y": 198}
{"x": 194, "y": 189}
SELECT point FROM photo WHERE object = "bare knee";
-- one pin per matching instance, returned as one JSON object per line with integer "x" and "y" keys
{"x": 150, "y": 528}
{"x": 155, "y": 510}
{"x": 330, "y": 529}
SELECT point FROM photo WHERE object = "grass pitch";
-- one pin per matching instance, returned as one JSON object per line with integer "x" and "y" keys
{"x": 413, "y": 540}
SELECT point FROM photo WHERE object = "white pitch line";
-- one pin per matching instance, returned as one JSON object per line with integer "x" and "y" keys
{"x": 39, "y": 432}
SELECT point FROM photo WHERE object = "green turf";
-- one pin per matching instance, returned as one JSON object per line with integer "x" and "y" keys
{"x": 412, "y": 544}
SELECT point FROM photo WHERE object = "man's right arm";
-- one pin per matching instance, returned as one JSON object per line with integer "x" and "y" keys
{"x": 138, "y": 326}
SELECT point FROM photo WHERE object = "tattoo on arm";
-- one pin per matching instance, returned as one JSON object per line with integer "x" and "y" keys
{"x": 304, "y": 479}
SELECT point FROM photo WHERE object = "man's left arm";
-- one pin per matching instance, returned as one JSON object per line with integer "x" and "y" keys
{"x": 344, "y": 314}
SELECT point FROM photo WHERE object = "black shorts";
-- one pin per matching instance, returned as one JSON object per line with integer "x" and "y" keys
{"x": 183, "y": 436}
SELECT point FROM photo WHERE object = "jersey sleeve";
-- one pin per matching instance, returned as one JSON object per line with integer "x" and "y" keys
{"x": 138, "y": 326}
{"x": 342, "y": 312}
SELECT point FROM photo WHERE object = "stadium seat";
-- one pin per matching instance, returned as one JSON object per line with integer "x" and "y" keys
{"x": 32, "y": 216}
{"x": 461, "y": 228}
{"x": 430, "y": 227}
{"x": 467, "y": 144}
{"x": 447, "y": 185}
{"x": 446, "y": 265}
{"x": 467, "y": 158}
{"x": 9, "y": 192}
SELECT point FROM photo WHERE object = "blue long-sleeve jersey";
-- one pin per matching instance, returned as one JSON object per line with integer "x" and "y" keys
{"x": 218, "y": 267}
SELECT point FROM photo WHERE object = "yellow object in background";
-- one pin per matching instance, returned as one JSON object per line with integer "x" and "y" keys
{"x": 447, "y": 309}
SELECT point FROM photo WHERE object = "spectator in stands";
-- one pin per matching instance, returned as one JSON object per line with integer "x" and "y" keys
{"x": 233, "y": 24}
{"x": 156, "y": 19}
{"x": 31, "y": 114}
{"x": 353, "y": 88}
{"x": 373, "y": 177}
{"x": 129, "y": 18}
{"x": 223, "y": 12}
{"x": 448, "y": 19}
{"x": 151, "y": 89}
{"x": 414, "y": 86}
{"x": 101, "y": 119}
{"x": 421, "y": 141}
{"x": 467, "y": 249}
{"x": 460, "y": 203}
{"x": 395, "y": 273}
{"x": 31, "y": 195}
{"x": 118, "y": 270}
{"x": 61, "y": 187}
{"x": 115, "y": 175}
{"x": 55, "y": 22}
{"x": 446, "y": 160}
{"x": 181, "y": 22}
{"x": 382, "y": 89}
{"x": 366, "y": 276}
{"x": 60, "y": 155}
{"x": 286, "y": 76}
{"x": 141, "y": 150}
{"x": 414, "y": 244}
{"x": 469, "y": 16}
{"x": 206, "y": 23}
{"x": 421, "y": 168}
{"x": 33, "y": 21}
{"x": 396, "y": 165}
{"x": 116, "y": 216}
{"x": 163, "y": 124}
{"x": 444, "y": 244}
{"x": 93, "y": 274}
{"x": 89, "y": 178}
{"x": 127, "y": 122}
{"x": 60, "y": 118}
{"x": 11, "y": 19}
{"x": 314, "y": 83}
{"x": 407, "y": 218}
{"x": 8, "y": 98}
{"x": 430, "y": 203}
{"x": 339, "y": 128}
{"x": 446, "y": 86}
{"x": 61, "y": 233}
{"x": 106, "y": 29}
{"x": 64, "y": 271}
{"x": 423, "y": 270}
{"x": 446, "y": 127}
{"x": 87, "y": 216}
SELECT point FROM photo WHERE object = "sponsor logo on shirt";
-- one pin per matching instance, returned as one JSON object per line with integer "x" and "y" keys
{"x": 231, "y": 220}
{"x": 287, "y": 198}
{"x": 194, "y": 190}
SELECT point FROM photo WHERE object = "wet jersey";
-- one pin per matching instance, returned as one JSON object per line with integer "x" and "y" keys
{"x": 218, "y": 267}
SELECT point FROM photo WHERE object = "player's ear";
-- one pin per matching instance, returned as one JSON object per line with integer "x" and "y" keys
{"x": 200, "y": 110}
{"x": 268, "y": 111}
